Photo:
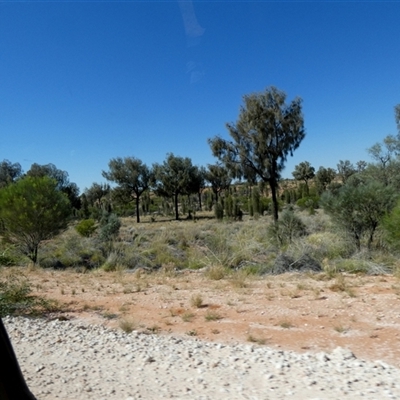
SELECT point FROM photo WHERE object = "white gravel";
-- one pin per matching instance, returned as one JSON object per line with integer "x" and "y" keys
{"x": 73, "y": 360}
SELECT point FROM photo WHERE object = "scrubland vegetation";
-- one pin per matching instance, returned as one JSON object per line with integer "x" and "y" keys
{"x": 234, "y": 219}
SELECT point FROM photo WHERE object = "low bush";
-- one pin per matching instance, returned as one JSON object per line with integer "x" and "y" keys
{"x": 288, "y": 227}
{"x": 16, "y": 298}
{"x": 86, "y": 227}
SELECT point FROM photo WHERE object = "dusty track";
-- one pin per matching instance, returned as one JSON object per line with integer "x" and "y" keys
{"x": 295, "y": 312}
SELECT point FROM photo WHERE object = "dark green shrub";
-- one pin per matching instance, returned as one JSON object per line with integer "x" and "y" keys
{"x": 359, "y": 208}
{"x": 219, "y": 211}
{"x": 391, "y": 226}
{"x": 307, "y": 203}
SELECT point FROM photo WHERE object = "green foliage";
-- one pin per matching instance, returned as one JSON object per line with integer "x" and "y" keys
{"x": 70, "y": 189}
{"x": 288, "y": 227}
{"x": 9, "y": 172}
{"x": 267, "y": 131}
{"x": 256, "y": 201}
{"x": 176, "y": 176}
{"x": 33, "y": 210}
{"x": 86, "y": 227}
{"x": 345, "y": 170}
{"x": 16, "y": 298}
{"x": 323, "y": 178}
{"x": 219, "y": 211}
{"x": 328, "y": 245}
{"x": 132, "y": 177}
{"x": 391, "y": 226}
{"x": 72, "y": 251}
{"x": 218, "y": 177}
{"x": 359, "y": 208}
{"x": 109, "y": 227}
{"x": 98, "y": 199}
{"x": 304, "y": 172}
{"x": 8, "y": 256}
{"x": 309, "y": 203}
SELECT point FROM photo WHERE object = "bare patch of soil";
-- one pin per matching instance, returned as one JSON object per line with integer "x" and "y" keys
{"x": 296, "y": 312}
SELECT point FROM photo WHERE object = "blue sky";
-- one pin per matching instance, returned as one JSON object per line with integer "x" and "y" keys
{"x": 84, "y": 82}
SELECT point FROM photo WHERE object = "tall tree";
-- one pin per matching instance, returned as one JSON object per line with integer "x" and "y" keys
{"x": 32, "y": 210}
{"x": 219, "y": 179}
{"x": 174, "y": 178}
{"x": 323, "y": 178}
{"x": 61, "y": 177}
{"x": 97, "y": 195}
{"x": 385, "y": 155}
{"x": 9, "y": 172}
{"x": 197, "y": 182}
{"x": 304, "y": 172}
{"x": 267, "y": 131}
{"x": 345, "y": 170}
{"x": 132, "y": 177}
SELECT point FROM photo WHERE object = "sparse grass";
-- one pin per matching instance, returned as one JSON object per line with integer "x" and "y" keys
{"x": 212, "y": 316}
{"x": 254, "y": 339}
{"x": 124, "y": 308}
{"x": 216, "y": 272}
{"x": 16, "y": 298}
{"x": 239, "y": 279}
{"x": 192, "y": 332}
{"x": 286, "y": 325}
{"x": 339, "y": 285}
{"x": 302, "y": 286}
{"x": 127, "y": 325}
{"x": 109, "y": 315}
{"x": 340, "y": 329}
{"x": 196, "y": 300}
{"x": 187, "y": 316}
{"x": 154, "y": 329}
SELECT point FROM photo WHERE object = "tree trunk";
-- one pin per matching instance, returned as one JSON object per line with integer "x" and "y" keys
{"x": 176, "y": 206}
{"x": 274, "y": 201}
{"x": 371, "y": 236}
{"x": 200, "y": 207}
{"x": 137, "y": 209}
{"x": 33, "y": 252}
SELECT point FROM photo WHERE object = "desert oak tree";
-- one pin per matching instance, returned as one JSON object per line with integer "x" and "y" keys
{"x": 174, "y": 177}
{"x": 304, "y": 172}
{"x": 132, "y": 176}
{"x": 266, "y": 132}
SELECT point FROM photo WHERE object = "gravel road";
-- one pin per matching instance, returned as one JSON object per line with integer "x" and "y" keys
{"x": 74, "y": 360}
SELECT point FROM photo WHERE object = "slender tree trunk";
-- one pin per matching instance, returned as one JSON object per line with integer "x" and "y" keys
{"x": 357, "y": 241}
{"x": 371, "y": 236}
{"x": 216, "y": 196}
{"x": 33, "y": 253}
{"x": 200, "y": 207}
{"x": 137, "y": 209}
{"x": 272, "y": 185}
{"x": 307, "y": 190}
{"x": 176, "y": 206}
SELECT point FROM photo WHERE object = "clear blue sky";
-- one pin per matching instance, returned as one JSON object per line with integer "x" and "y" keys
{"x": 84, "y": 82}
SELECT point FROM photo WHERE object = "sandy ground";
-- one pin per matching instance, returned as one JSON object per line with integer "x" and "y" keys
{"x": 294, "y": 312}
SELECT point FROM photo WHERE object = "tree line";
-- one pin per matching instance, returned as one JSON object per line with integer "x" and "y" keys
{"x": 267, "y": 131}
